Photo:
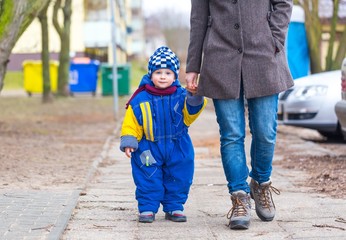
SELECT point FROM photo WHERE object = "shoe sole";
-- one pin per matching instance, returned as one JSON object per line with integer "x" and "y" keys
{"x": 175, "y": 219}
{"x": 146, "y": 219}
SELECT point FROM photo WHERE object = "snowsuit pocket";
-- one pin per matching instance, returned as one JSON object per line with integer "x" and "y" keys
{"x": 146, "y": 158}
{"x": 147, "y": 163}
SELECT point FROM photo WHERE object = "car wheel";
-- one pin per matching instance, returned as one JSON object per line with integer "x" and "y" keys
{"x": 337, "y": 135}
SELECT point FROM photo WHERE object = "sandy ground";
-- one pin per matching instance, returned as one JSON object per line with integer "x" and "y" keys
{"x": 323, "y": 159}
{"x": 45, "y": 146}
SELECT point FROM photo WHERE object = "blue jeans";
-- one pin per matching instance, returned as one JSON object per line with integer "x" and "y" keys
{"x": 230, "y": 115}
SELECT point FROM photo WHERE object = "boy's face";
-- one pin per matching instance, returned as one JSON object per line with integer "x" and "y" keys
{"x": 163, "y": 78}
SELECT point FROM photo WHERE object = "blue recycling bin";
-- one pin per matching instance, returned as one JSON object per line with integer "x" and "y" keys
{"x": 83, "y": 76}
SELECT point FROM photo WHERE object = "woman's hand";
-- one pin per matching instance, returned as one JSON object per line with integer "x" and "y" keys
{"x": 191, "y": 82}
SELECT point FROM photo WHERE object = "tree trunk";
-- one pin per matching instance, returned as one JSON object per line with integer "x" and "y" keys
{"x": 329, "y": 58}
{"x": 47, "y": 95}
{"x": 341, "y": 53}
{"x": 313, "y": 28}
{"x": 15, "y": 17}
{"x": 64, "y": 34}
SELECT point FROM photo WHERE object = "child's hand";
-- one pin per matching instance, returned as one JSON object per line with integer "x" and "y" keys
{"x": 128, "y": 151}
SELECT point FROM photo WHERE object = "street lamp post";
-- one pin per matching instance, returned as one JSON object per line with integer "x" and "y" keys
{"x": 114, "y": 48}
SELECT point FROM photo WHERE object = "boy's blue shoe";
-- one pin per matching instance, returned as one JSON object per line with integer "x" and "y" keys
{"x": 146, "y": 217}
{"x": 176, "y": 216}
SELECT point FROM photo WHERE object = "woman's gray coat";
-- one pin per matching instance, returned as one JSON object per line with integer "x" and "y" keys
{"x": 239, "y": 39}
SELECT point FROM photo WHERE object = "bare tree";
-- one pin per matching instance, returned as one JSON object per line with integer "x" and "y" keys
{"x": 15, "y": 17}
{"x": 63, "y": 31}
{"x": 313, "y": 26}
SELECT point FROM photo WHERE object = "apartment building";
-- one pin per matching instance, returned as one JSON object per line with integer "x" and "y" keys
{"x": 92, "y": 24}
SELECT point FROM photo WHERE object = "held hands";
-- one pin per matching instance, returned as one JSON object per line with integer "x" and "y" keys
{"x": 191, "y": 82}
{"x": 128, "y": 151}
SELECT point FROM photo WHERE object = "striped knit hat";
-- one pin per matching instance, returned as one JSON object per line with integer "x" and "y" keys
{"x": 163, "y": 57}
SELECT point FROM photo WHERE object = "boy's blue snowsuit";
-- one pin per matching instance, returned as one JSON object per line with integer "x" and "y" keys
{"x": 163, "y": 160}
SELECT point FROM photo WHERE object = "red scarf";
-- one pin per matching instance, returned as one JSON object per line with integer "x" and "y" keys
{"x": 154, "y": 91}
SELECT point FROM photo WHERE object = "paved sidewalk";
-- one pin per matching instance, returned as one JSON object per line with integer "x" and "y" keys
{"x": 35, "y": 214}
{"x": 107, "y": 209}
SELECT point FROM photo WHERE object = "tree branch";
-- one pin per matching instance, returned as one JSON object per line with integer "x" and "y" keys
{"x": 58, "y": 28}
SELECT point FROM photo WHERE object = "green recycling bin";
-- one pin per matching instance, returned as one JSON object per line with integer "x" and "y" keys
{"x": 123, "y": 72}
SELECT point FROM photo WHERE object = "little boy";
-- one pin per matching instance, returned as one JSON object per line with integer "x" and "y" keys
{"x": 155, "y": 135}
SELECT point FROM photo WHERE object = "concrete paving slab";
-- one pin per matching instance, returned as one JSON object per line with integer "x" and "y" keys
{"x": 109, "y": 210}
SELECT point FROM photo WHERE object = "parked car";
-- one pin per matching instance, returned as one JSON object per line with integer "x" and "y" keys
{"x": 310, "y": 103}
{"x": 340, "y": 107}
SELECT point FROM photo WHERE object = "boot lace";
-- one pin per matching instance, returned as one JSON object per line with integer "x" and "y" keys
{"x": 238, "y": 209}
{"x": 265, "y": 195}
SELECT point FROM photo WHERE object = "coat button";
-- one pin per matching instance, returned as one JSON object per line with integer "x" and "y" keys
{"x": 236, "y": 26}
{"x": 240, "y": 50}
{"x": 234, "y": 1}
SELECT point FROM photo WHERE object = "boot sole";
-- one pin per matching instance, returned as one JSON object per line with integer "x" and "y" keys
{"x": 239, "y": 225}
{"x": 264, "y": 218}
